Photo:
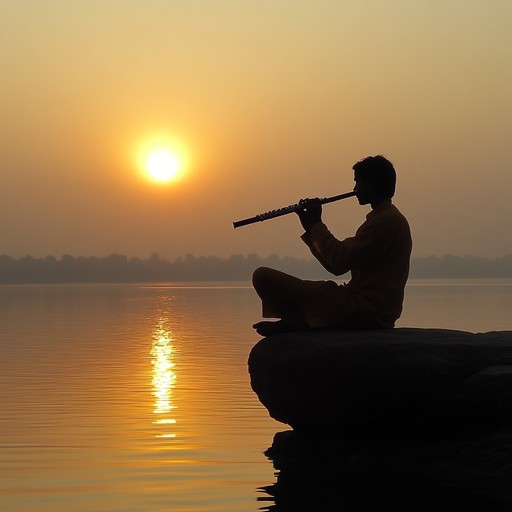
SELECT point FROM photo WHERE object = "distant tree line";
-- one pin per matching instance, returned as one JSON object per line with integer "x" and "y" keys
{"x": 118, "y": 268}
{"x": 461, "y": 267}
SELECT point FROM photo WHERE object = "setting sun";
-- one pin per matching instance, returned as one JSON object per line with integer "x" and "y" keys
{"x": 162, "y": 160}
{"x": 162, "y": 165}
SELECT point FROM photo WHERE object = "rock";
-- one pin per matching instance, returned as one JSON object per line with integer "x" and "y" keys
{"x": 408, "y": 419}
{"x": 385, "y": 382}
{"x": 319, "y": 472}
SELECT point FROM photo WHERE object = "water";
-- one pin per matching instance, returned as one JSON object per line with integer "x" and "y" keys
{"x": 136, "y": 398}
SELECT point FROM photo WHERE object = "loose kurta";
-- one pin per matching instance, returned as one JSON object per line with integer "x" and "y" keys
{"x": 378, "y": 258}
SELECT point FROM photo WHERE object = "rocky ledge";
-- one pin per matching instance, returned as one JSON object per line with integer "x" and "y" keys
{"x": 388, "y": 381}
{"x": 410, "y": 419}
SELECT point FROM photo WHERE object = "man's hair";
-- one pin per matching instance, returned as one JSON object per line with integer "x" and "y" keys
{"x": 378, "y": 170}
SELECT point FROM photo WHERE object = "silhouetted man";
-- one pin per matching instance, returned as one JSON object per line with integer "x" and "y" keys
{"x": 377, "y": 256}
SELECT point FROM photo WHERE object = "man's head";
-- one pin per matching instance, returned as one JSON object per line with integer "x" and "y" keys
{"x": 375, "y": 179}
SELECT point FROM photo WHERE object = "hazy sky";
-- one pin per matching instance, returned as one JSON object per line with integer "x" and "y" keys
{"x": 267, "y": 101}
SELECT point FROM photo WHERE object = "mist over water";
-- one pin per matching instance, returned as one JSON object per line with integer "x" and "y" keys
{"x": 118, "y": 268}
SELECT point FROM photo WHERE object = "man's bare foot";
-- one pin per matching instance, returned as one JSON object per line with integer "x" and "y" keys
{"x": 266, "y": 328}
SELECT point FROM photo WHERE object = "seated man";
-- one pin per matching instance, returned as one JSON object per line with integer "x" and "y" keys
{"x": 377, "y": 257}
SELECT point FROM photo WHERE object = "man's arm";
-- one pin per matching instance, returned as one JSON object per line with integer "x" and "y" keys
{"x": 371, "y": 241}
{"x": 323, "y": 245}
{"x": 333, "y": 254}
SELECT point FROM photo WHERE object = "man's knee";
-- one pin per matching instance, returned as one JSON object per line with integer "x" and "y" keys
{"x": 260, "y": 277}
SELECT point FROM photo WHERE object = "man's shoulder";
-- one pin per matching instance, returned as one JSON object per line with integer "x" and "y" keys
{"x": 395, "y": 212}
{"x": 389, "y": 216}
{"x": 397, "y": 216}
{"x": 385, "y": 210}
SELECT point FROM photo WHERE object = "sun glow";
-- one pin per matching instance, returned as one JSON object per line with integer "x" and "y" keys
{"x": 162, "y": 160}
{"x": 162, "y": 165}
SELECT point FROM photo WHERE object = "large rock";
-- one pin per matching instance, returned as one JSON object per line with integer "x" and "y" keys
{"x": 406, "y": 419}
{"x": 385, "y": 381}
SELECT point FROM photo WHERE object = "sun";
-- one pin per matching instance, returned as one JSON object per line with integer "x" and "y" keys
{"x": 163, "y": 165}
{"x": 162, "y": 159}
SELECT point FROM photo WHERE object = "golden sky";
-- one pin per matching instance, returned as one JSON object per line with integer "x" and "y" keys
{"x": 266, "y": 101}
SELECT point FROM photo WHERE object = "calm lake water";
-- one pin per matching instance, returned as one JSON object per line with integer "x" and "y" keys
{"x": 136, "y": 398}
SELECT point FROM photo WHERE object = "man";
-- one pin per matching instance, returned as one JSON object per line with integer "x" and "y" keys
{"x": 377, "y": 256}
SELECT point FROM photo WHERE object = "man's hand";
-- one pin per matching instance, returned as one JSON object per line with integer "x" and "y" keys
{"x": 310, "y": 213}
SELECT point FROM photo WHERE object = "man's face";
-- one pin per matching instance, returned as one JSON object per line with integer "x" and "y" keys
{"x": 365, "y": 191}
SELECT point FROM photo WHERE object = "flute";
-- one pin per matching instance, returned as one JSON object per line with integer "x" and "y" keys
{"x": 287, "y": 209}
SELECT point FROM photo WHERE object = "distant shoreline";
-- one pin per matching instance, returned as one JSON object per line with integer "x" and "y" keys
{"x": 117, "y": 268}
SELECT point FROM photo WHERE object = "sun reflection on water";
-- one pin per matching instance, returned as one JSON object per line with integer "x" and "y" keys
{"x": 164, "y": 378}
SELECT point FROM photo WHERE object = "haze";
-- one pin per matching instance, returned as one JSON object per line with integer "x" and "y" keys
{"x": 272, "y": 100}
